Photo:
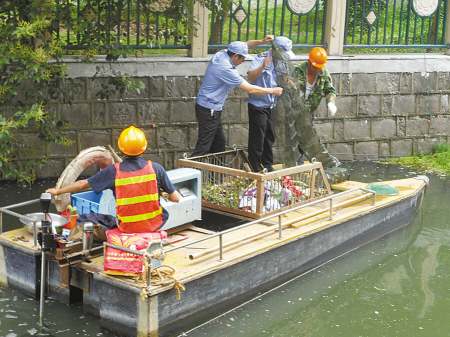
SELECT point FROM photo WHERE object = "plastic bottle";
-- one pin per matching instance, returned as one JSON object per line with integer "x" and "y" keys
{"x": 73, "y": 217}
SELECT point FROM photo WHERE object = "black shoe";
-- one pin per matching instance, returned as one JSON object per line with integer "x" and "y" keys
{"x": 270, "y": 169}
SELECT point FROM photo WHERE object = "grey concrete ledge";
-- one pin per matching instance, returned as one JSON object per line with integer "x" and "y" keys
{"x": 181, "y": 65}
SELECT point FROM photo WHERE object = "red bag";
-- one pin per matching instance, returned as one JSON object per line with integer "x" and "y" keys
{"x": 118, "y": 262}
{"x": 289, "y": 184}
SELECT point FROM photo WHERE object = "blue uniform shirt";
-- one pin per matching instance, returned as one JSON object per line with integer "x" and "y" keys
{"x": 220, "y": 78}
{"x": 106, "y": 178}
{"x": 267, "y": 79}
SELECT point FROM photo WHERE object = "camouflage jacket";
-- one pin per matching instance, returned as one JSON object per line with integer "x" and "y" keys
{"x": 323, "y": 86}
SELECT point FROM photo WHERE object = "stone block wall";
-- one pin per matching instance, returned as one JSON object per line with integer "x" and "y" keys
{"x": 383, "y": 110}
{"x": 386, "y": 114}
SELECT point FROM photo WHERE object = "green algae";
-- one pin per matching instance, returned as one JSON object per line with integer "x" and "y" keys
{"x": 437, "y": 162}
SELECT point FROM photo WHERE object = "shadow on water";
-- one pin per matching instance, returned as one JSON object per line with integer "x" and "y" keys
{"x": 19, "y": 317}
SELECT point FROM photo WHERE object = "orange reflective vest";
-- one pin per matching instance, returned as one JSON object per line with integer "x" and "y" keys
{"x": 137, "y": 199}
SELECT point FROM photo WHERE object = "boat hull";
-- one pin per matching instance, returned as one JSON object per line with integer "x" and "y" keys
{"x": 241, "y": 281}
{"x": 121, "y": 309}
{"x": 225, "y": 287}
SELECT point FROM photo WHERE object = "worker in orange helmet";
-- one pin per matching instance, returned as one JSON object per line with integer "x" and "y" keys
{"x": 315, "y": 82}
{"x": 136, "y": 183}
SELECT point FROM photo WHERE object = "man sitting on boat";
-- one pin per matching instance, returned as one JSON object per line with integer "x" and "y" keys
{"x": 136, "y": 183}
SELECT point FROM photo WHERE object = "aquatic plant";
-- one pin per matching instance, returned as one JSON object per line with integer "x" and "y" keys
{"x": 437, "y": 162}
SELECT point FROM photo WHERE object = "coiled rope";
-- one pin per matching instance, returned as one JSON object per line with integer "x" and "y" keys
{"x": 159, "y": 276}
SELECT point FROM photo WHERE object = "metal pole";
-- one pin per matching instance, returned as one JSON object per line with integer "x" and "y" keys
{"x": 45, "y": 246}
{"x": 34, "y": 234}
{"x": 221, "y": 247}
{"x": 331, "y": 209}
{"x": 42, "y": 297}
{"x": 1, "y": 221}
{"x": 149, "y": 274}
{"x": 22, "y": 204}
{"x": 280, "y": 228}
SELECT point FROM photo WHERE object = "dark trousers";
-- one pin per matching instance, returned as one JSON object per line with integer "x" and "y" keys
{"x": 261, "y": 136}
{"x": 211, "y": 138}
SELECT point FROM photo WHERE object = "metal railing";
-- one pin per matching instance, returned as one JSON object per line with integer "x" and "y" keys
{"x": 269, "y": 229}
{"x": 138, "y": 24}
{"x": 252, "y": 20}
{"x": 394, "y": 24}
{"x": 145, "y": 24}
{"x": 151, "y": 255}
{"x": 280, "y": 224}
{"x": 6, "y": 209}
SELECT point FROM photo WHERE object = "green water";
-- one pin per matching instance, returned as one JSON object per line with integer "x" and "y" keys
{"x": 395, "y": 286}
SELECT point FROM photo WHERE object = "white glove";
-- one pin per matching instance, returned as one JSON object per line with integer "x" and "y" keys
{"x": 332, "y": 108}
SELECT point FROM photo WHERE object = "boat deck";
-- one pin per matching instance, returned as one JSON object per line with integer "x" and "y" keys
{"x": 187, "y": 270}
{"x": 309, "y": 238}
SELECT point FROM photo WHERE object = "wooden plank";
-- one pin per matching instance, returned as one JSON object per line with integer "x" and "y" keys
{"x": 69, "y": 248}
{"x": 259, "y": 197}
{"x": 217, "y": 154}
{"x": 325, "y": 180}
{"x": 295, "y": 222}
{"x": 78, "y": 256}
{"x": 312, "y": 184}
{"x": 213, "y": 206}
{"x": 250, "y": 175}
{"x": 348, "y": 185}
{"x": 278, "y": 166}
{"x": 201, "y": 230}
{"x": 178, "y": 228}
{"x": 222, "y": 169}
{"x": 243, "y": 217}
{"x": 290, "y": 170}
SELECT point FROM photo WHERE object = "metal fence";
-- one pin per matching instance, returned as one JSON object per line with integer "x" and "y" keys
{"x": 303, "y": 23}
{"x": 139, "y": 24}
{"x": 143, "y": 24}
{"x": 395, "y": 24}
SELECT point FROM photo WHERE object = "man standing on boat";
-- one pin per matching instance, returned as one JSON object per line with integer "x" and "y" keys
{"x": 220, "y": 78}
{"x": 315, "y": 82}
{"x": 261, "y": 133}
{"x": 136, "y": 183}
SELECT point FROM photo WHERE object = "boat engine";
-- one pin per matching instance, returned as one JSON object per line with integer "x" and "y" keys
{"x": 46, "y": 238}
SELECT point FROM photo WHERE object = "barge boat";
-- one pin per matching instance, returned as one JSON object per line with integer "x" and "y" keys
{"x": 218, "y": 269}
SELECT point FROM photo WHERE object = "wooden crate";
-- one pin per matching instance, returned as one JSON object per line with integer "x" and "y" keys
{"x": 228, "y": 187}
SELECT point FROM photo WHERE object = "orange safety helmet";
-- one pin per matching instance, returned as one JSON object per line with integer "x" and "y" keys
{"x": 132, "y": 141}
{"x": 318, "y": 57}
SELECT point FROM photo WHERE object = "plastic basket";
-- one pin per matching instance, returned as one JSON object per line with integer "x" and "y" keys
{"x": 86, "y": 202}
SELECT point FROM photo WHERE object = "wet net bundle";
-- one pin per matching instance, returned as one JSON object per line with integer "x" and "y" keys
{"x": 295, "y": 130}
{"x": 382, "y": 189}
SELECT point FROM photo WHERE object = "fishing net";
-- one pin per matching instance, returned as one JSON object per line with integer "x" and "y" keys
{"x": 382, "y": 189}
{"x": 295, "y": 129}
{"x": 336, "y": 175}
